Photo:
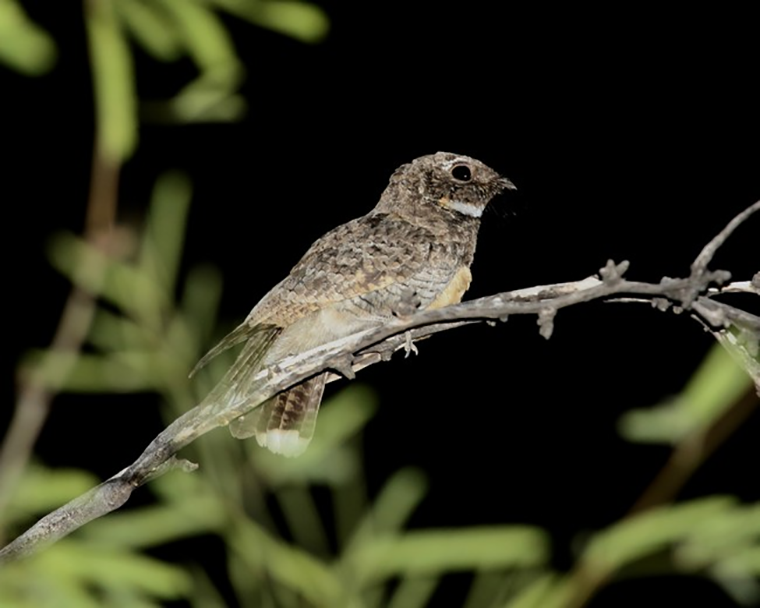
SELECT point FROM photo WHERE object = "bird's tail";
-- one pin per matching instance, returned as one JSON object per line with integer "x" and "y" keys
{"x": 285, "y": 423}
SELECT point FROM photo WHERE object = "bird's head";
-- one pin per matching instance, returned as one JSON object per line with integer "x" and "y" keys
{"x": 452, "y": 183}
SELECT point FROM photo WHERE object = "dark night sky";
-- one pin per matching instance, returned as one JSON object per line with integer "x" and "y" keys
{"x": 630, "y": 135}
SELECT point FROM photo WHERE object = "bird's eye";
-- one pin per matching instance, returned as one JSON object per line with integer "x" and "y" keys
{"x": 461, "y": 173}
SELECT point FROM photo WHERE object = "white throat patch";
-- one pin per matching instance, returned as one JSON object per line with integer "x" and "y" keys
{"x": 467, "y": 209}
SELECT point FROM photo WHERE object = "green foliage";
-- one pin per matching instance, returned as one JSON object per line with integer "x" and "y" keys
{"x": 24, "y": 46}
{"x": 83, "y": 574}
{"x": 167, "y": 30}
{"x": 712, "y": 389}
{"x": 42, "y": 490}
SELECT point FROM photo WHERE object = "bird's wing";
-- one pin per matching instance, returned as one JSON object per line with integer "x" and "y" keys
{"x": 241, "y": 333}
{"x": 238, "y": 380}
{"x": 369, "y": 262}
{"x": 355, "y": 259}
{"x": 372, "y": 253}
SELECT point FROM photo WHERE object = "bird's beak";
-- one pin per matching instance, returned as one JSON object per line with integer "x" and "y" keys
{"x": 505, "y": 184}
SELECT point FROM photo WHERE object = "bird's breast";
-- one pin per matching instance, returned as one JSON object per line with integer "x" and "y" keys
{"x": 452, "y": 293}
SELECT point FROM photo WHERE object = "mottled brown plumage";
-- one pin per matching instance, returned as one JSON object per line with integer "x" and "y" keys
{"x": 416, "y": 245}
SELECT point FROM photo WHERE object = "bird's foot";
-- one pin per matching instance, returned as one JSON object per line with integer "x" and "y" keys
{"x": 409, "y": 345}
{"x": 344, "y": 366}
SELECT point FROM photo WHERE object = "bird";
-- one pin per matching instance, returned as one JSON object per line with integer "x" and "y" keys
{"x": 416, "y": 245}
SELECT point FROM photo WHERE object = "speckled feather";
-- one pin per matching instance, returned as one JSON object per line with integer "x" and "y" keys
{"x": 379, "y": 252}
{"x": 413, "y": 250}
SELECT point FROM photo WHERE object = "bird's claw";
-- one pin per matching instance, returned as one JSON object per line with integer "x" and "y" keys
{"x": 409, "y": 345}
{"x": 345, "y": 368}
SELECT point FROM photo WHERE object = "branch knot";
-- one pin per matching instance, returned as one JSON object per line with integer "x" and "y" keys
{"x": 613, "y": 273}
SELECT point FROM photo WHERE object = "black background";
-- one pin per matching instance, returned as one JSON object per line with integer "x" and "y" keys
{"x": 631, "y": 134}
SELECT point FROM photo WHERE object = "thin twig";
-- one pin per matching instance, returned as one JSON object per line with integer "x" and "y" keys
{"x": 699, "y": 266}
{"x": 33, "y": 404}
{"x": 588, "y": 578}
{"x": 691, "y": 452}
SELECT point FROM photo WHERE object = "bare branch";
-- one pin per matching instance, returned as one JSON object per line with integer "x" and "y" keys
{"x": 739, "y": 287}
{"x": 699, "y": 266}
{"x": 352, "y": 353}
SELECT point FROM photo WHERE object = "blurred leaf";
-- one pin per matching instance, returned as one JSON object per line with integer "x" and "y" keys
{"x": 435, "y": 552}
{"x": 205, "y": 36}
{"x": 742, "y": 563}
{"x": 492, "y": 587}
{"x": 397, "y": 501}
{"x": 739, "y": 575}
{"x": 303, "y": 520}
{"x": 28, "y": 588}
{"x": 120, "y": 283}
{"x": 202, "y": 101}
{"x": 105, "y": 567}
{"x": 392, "y": 508}
{"x": 205, "y": 595}
{"x": 200, "y": 303}
{"x": 717, "y": 384}
{"x": 651, "y": 531}
{"x": 484, "y": 588}
{"x": 113, "y": 333}
{"x": 713, "y": 388}
{"x": 165, "y": 230}
{"x": 71, "y": 571}
{"x": 120, "y": 373}
{"x": 745, "y": 561}
{"x": 151, "y": 28}
{"x": 24, "y": 46}
{"x": 547, "y": 591}
{"x": 300, "y": 20}
{"x": 43, "y": 489}
{"x": 211, "y": 96}
{"x": 160, "y": 524}
{"x": 180, "y": 349}
{"x": 727, "y": 546}
{"x": 348, "y": 413}
{"x": 413, "y": 592}
{"x": 113, "y": 82}
{"x": 286, "y": 565}
{"x": 723, "y": 535}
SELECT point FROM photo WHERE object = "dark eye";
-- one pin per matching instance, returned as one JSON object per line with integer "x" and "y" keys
{"x": 461, "y": 173}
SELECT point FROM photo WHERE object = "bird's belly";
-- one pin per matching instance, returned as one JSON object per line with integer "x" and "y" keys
{"x": 318, "y": 328}
{"x": 453, "y": 292}
{"x": 347, "y": 317}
